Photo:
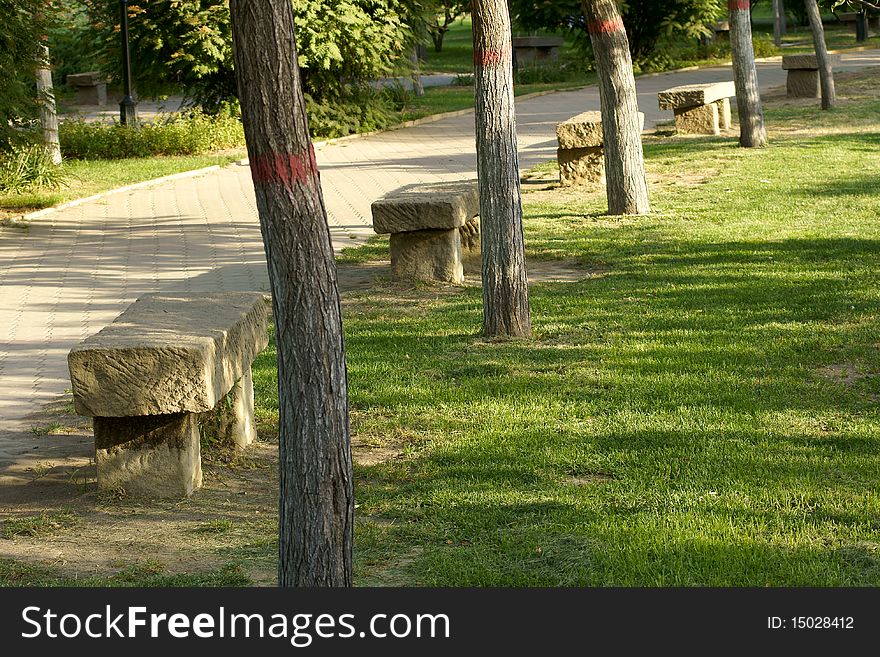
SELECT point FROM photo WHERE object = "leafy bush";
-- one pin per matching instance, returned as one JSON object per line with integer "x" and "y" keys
{"x": 189, "y": 133}
{"x": 463, "y": 80}
{"x": 364, "y": 110}
{"x": 28, "y": 167}
{"x": 189, "y": 44}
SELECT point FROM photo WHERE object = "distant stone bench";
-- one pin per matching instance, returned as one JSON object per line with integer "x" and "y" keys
{"x": 435, "y": 230}
{"x": 581, "y": 153}
{"x": 147, "y": 376}
{"x": 527, "y": 50}
{"x": 700, "y": 109}
{"x": 802, "y": 79}
{"x": 91, "y": 87}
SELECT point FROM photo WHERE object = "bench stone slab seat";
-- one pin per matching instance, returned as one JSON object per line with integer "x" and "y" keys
{"x": 434, "y": 230}
{"x": 802, "y": 79}
{"x": 147, "y": 376}
{"x": 581, "y": 154}
{"x": 536, "y": 48}
{"x": 699, "y": 108}
{"x": 91, "y": 87}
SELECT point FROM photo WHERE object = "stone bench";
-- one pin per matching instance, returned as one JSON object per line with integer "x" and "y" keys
{"x": 527, "y": 50}
{"x": 581, "y": 153}
{"x": 435, "y": 230}
{"x": 700, "y": 109}
{"x": 147, "y": 377}
{"x": 802, "y": 79}
{"x": 91, "y": 87}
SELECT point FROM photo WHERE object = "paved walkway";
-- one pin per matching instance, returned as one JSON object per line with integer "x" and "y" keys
{"x": 71, "y": 272}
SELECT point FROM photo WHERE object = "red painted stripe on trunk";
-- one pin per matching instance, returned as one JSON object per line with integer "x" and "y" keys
{"x": 739, "y": 5}
{"x": 606, "y": 26}
{"x": 495, "y": 57}
{"x": 285, "y": 168}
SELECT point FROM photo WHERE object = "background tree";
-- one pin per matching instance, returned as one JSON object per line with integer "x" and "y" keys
{"x": 446, "y": 12}
{"x": 505, "y": 282}
{"x": 779, "y": 26}
{"x": 745, "y": 76}
{"x": 316, "y": 502}
{"x": 46, "y": 102}
{"x": 826, "y": 77}
{"x": 22, "y": 27}
{"x": 627, "y": 186}
{"x": 646, "y": 21}
{"x": 188, "y": 45}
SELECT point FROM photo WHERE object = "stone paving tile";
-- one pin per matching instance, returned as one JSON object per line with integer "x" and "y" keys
{"x": 72, "y": 272}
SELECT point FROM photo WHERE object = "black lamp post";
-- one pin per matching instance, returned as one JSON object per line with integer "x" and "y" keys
{"x": 128, "y": 105}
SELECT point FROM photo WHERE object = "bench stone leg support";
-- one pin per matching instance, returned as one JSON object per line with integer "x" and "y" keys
{"x": 699, "y": 120}
{"x": 236, "y": 416}
{"x": 802, "y": 83}
{"x": 149, "y": 455}
{"x": 723, "y": 113}
{"x": 427, "y": 255}
{"x": 579, "y": 166}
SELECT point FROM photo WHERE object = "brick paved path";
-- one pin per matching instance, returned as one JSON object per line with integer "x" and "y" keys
{"x": 71, "y": 272}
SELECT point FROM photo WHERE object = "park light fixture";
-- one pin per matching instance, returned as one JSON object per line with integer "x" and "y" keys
{"x": 128, "y": 105}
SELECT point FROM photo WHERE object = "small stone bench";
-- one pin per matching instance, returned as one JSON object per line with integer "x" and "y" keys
{"x": 527, "y": 50}
{"x": 802, "y": 79}
{"x": 700, "y": 109}
{"x": 435, "y": 230}
{"x": 147, "y": 377}
{"x": 581, "y": 153}
{"x": 91, "y": 87}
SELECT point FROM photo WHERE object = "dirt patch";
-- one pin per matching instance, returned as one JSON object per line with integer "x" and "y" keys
{"x": 589, "y": 479}
{"x": 847, "y": 374}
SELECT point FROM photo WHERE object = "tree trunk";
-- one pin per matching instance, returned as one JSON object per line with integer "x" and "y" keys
{"x": 626, "y": 183}
{"x": 826, "y": 77}
{"x": 505, "y": 283}
{"x": 437, "y": 37}
{"x": 745, "y": 76}
{"x": 316, "y": 504}
{"x": 46, "y": 100}
{"x": 777, "y": 22}
{"x": 418, "y": 88}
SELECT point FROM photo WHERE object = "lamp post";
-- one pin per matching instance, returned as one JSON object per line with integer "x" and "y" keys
{"x": 128, "y": 105}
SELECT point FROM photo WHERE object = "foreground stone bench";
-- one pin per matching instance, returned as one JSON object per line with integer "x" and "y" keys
{"x": 146, "y": 377}
{"x": 802, "y": 79}
{"x": 700, "y": 109}
{"x": 435, "y": 230}
{"x": 581, "y": 153}
{"x": 91, "y": 87}
{"x": 527, "y": 50}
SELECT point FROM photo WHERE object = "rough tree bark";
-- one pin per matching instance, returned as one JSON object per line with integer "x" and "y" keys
{"x": 418, "y": 87}
{"x": 745, "y": 76}
{"x": 46, "y": 100}
{"x": 626, "y": 183}
{"x": 826, "y": 77}
{"x": 316, "y": 503}
{"x": 778, "y": 22}
{"x": 505, "y": 283}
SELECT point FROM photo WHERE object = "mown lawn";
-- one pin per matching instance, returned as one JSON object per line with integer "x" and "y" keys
{"x": 700, "y": 409}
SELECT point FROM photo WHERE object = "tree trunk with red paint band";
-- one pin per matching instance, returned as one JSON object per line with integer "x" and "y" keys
{"x": 826, "y": 77}
{"x": 626, "y": 182}
{"x": 745, "y": 76}
{"x": 505, "y": 282}
{"x": 316, "y": 501}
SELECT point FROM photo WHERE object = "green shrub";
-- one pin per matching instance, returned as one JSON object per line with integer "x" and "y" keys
{"x": 362, "y": 110}
{"x": 188, "y": 133}
{"x": 29, "y": 167}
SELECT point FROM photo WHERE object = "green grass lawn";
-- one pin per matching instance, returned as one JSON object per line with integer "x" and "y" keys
{"x": 700, "y": 410}
{"x": 87, "y": 177}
